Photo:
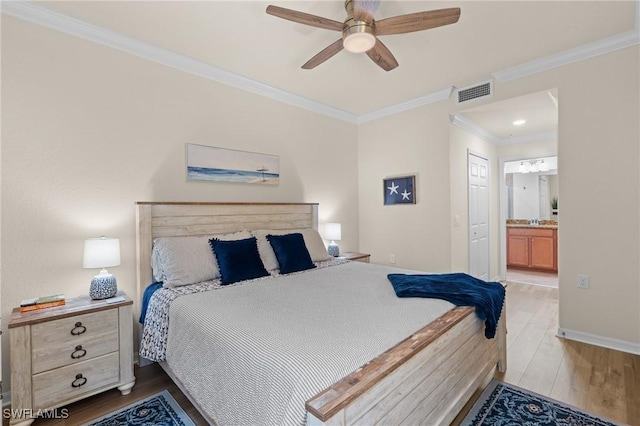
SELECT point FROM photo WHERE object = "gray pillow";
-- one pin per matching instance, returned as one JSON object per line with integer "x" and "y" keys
{"x": 178, "y": 261}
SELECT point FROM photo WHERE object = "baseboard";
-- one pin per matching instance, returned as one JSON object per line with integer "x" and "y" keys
{"x": 497, "y": 278}
{"x": 605, "y": 342}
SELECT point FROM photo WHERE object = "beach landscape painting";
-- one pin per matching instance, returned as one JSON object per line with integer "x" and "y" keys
{"x": 229, "y": 165}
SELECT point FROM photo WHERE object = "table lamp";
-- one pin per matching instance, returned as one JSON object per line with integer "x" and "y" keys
{"x": 101, "y": 253}
{"x": 333, "y": 232}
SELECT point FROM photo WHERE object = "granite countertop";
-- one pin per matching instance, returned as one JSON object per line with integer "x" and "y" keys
{"x": 518, "y": 225}
{"x": 524, "y": 223}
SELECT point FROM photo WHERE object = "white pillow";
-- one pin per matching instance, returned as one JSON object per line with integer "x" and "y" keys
{"x": 312, "y": 240}
{"x": 178, "y": 261}
{"x": 315, "y": 245}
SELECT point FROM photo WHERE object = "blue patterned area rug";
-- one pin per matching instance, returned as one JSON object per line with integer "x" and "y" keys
{"x": 504, "y": 404}
{"x": 157, "y": 410}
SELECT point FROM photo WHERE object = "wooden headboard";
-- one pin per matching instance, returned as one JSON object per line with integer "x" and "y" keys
{"x": 172, "y": 219}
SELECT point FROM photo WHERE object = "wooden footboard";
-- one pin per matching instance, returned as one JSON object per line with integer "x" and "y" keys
{"x": 426, "y": 379}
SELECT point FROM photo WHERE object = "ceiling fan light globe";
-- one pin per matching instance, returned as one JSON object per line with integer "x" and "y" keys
{"x": 359, "y": 42}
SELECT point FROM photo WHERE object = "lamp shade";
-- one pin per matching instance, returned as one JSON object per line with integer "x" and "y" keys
{"x": 333, "y": 231}
{"x": 101, "y": 252}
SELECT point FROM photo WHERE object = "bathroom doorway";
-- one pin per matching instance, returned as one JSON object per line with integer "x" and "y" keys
{"x": 522, "y": 129}
{"x": 531, "y": 222}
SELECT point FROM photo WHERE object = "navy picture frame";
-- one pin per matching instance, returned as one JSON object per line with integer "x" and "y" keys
{"x": 399, "y": 190}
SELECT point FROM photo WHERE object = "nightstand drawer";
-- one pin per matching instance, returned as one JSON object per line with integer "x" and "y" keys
{"x": 73, "y": 330}
{"x": 47, "y": 357}
{"x": 54, "y": 387}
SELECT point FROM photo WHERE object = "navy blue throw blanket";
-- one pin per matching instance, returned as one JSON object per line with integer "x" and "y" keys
{"x": 146, "y": 297}
{"x": 458, "y": 288}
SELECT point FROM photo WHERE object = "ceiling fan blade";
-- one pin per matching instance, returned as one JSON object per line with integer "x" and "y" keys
{"x": 304, "y": 18}
{"x": 323, "y": 55}
{"x": 417, "y": 21}
{"x": 382, "y": 56}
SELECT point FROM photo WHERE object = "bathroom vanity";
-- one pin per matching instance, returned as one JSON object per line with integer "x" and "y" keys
{"x": 532, "y": 247}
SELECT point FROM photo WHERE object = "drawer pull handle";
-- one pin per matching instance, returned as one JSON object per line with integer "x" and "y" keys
{"x": 79, "y": 352}
{"x": 79, "y": 381}
{"x": 78, "y": 329}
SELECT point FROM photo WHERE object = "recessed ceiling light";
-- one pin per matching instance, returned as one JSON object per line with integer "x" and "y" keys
{"x": 519, "y": 122}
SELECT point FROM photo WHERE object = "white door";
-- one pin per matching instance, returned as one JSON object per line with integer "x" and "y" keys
{"x": 478, "y": 217}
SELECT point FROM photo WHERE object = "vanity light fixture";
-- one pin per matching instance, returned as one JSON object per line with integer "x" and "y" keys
{"x": 543, "y": 167}
{"x": 524, "y": 167}
{"x": 533, "y": 166}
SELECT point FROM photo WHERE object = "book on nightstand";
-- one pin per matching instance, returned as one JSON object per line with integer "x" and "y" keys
{"x": 42, "y": 302}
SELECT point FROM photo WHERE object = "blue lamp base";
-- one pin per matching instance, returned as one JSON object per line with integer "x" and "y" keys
{"x": 333, "y": 249}
{"x": 103, "y": 286}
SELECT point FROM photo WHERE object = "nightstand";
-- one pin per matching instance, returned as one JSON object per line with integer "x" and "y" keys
{"x": 63, "y": 354}
{"x": 358, "y": 257}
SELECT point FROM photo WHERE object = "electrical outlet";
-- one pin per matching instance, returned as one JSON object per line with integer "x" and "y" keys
{"x": 583, "y": 281}
{"x": 392, "y": 258}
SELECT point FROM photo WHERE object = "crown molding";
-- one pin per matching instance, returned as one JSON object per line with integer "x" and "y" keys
{"x": 31, "y": 12}
{"x": 580, "y": 53}
{"x": 431, "y": 98}
{"x": 463, "y": 122}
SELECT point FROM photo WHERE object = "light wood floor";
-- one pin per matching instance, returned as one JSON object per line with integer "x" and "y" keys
{"x": 524, "y": 276}
{"x": 602, "y": 381}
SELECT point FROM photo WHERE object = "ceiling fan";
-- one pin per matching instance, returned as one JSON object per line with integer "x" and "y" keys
{"x": 360, "y": 29}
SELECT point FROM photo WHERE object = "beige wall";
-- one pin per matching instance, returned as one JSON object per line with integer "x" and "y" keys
{"x": 88, "y": 130}
{"x": 598, "y": 130}
{"x": 600, "y": 235}
{"x": 409, "y": 143}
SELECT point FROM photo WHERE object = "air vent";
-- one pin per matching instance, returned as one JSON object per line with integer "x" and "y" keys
{"x": 476, "y": 91}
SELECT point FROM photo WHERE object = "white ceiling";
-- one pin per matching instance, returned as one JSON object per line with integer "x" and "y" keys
{"x": 239, "y": 37}
{"x": 539, "y": 110}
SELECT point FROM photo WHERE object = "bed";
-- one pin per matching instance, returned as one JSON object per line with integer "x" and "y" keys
{"x": 425, "y": 375}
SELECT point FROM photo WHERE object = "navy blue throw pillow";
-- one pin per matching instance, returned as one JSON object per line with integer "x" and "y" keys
{"x": 291, "y": 252}
{"x": 238, "y": 260}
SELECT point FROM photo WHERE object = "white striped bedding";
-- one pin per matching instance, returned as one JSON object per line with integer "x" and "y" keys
{"x": 153, "y": 343}
{"x": 253, "y": 354}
